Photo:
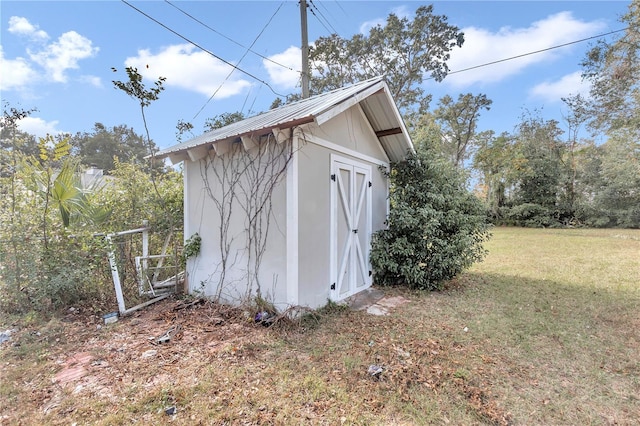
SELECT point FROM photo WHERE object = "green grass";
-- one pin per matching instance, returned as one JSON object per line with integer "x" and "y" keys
{"x": 544, "y": 331}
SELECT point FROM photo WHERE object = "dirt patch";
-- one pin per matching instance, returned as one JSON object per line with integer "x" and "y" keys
{"x": 85, "y": 359}
{"x": 165, "y": 334}
{"x": 75, "y": 367}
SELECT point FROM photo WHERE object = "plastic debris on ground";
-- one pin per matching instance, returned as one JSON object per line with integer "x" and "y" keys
{"x": 5, "y": 336}
{"x": 110, "y": 318}
{"x": 265, "y": 318}
{"x": 375, "y": 371}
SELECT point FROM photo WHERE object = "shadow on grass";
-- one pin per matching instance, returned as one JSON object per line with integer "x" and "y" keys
{"x": 555, "y": 353}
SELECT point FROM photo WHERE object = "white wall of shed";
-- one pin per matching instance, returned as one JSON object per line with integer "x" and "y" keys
{"x": 352, "y": 130}
{"x": 202, "y": 216}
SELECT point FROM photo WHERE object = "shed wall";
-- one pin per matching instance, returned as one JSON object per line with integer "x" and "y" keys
{"x": 308, "y": 205}
{"x": 230, "y": 273}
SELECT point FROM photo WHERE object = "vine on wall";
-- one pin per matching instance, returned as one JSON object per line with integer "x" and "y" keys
{"x": 240, "y": 185}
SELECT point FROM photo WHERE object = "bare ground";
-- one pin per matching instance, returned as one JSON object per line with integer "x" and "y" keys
{"x": 213, "y": 365}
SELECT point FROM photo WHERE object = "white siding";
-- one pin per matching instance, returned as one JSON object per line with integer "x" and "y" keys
{"x": 237, "y": 282}
{"x": 301, "y": 204}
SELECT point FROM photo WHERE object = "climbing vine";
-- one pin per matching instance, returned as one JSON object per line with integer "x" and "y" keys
{"x": 240, "y": 184}
{"x": 192, "y": 246}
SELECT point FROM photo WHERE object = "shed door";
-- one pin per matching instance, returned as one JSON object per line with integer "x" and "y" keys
{"x": 350, "y": 227}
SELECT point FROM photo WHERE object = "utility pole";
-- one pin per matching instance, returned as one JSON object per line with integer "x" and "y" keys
{"x": 305, "y": 49}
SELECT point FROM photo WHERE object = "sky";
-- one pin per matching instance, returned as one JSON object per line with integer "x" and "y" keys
{"x": 58, "y": 57}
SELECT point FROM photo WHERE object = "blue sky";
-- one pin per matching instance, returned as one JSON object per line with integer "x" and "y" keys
{"x": 58, "y": 56}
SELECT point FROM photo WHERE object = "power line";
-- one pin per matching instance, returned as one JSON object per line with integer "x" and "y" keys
{"x": 266, "y": 58}
{"x": 533, "y": 53}
{"x": 248, "y": 49}
{"x": 203, "y": 49}
{"x": 326, "y": 9}
{"x": 341, "y": 8}
{"x": 312, "y": 7}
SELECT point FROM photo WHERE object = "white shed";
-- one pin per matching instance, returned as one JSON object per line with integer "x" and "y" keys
{"x": 286, "y": 202}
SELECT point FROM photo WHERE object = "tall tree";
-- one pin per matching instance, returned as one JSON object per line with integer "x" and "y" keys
{"x": 405, "y": 51}
{"x": 540, "y": 168}
{"x": 222, "y": 120}
{"x": 14, "y": 139}
{"x": 613, "y": 68}
{"x": 13, "y": 142}
{"x": 619, "y": 195}
{"x": 136, "y": 89}
{"x": 100, "y": 146}
{"x": 496, "y": 159}
{"x": 576, "y": 117}
{"x": 459, "y": 121}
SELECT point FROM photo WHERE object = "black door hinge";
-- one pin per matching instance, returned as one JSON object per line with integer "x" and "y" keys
{"x": 370, "y": 273}
{"x": 333, "y": 286}
{"x": 370, "y": 184}
{"x": 333, "y": 177}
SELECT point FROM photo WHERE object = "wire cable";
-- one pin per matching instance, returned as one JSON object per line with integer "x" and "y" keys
{"x": 532, "y": 53}
{"x": 341, "y": 8}
{"x": 326, "y": 9}
{"x": 266, "y": 58}
{"x": 203, "y": 49}
{"x": 248, "y": 49}
{"x": 311, "y": 8}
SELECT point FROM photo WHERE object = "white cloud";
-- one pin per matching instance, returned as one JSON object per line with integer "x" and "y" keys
{"x": 366, "y": 26}
{"x": 64, "y": 54}
{"x": 56, "y": 57}
{"x": 281, "y": 76}
{"x": 400, "y": 12}
{"x": 16, "y": 73}
{"x": 185, "y": 68}
{"x": 21, "y": 26}
{"x": 482, "y": 46}
{"x": 39, "y": 127}
{"x": 92, "y": 80}
{"x": 553, "y": 91}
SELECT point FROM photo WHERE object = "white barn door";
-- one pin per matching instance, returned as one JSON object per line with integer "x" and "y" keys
{"x": 350, "y": 227}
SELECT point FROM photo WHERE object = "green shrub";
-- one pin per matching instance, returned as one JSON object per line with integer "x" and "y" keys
{"x": 435, "y": 227}
{"x": 530, "y": 215}
{"x": 45, "y": 266}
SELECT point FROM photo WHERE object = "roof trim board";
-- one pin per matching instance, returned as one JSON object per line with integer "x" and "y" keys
{"x": 380, "y": 112}
{"x": 348, "y": 103}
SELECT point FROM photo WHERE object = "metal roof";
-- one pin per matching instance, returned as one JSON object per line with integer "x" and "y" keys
{"x": 372, "y": 95}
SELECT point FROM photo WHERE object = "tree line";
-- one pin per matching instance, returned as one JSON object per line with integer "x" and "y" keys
{"x": 545, "y": 173}
{"x": 541, "y": 175}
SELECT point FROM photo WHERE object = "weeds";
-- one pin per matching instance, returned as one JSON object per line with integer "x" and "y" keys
{"x": 523, "y": 338}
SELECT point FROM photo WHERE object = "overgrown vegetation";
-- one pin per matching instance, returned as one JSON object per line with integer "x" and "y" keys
{"x": 543, "y": 331}
{"x": 50, "y": 211}
{"x": 543, "y": 176}
{"x": 436, "y": 227}
{"x": 407, "y": 51}
{"x": 47, "y": 265}
{"x": 534, "y": 178}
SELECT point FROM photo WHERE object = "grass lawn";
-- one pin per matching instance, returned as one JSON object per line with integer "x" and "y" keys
{"x": 545, "y": 331}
